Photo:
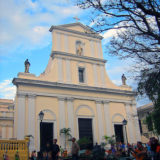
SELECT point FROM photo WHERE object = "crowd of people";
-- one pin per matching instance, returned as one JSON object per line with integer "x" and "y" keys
{"x": 52, "y": 152}
{"x": 139, "y": 151}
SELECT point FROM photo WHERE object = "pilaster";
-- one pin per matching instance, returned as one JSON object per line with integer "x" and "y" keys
{"x": 10, "y": 132}
{"x": 102, "y": 76}
{"x": 60, "y": 70}
{"x": 66, "y": 43}
{"x": 21, "y": 117}
{"x": 68, "y": 71}
{"x": 107, "y": 118}
{"x": 70, "y": 113}
{"x": 62, "y": 119}
{"x": 100, "y": 120}
{"x": 95, "y": 75}
{"x": 129, "y": 123}
{"x": 4, "y": 132}
{"x": 136, "y": 123}
{"x": 31, "y": 119}
{"x": 92, "y": 48}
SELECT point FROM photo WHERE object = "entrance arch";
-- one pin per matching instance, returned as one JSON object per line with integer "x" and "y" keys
{"x": 48, "y": 120}
{"x": 119, "y": 128}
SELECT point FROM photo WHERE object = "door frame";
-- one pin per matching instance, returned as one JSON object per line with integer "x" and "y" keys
{"x": 38, "y": 130}
{"x": 123, "y": 128}
{"x": 124, "y": 140}
{"x": 43, "y": 123}
{"x": 93, "y": 127}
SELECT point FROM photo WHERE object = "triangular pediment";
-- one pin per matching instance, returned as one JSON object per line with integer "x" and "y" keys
{"x": 77, "y": 27}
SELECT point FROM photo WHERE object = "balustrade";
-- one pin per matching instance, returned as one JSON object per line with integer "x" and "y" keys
{"x": 11, "y": 147}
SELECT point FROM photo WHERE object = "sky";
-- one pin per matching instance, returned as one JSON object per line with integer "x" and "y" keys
{"x": 24, "y": 33}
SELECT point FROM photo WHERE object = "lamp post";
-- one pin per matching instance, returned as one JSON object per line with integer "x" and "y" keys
{"x": 41, "y": 115}
{"x": 124, "y": 122}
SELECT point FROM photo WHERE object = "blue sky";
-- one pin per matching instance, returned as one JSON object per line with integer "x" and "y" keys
{"x": 24, "y": 33}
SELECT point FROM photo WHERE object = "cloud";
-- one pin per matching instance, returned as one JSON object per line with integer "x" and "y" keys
{"x": 25, "y": 24}
{"x": 7, "y": 90}
{"x": 117, "y": 82}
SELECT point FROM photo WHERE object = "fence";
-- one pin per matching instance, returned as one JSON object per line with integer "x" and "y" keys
{"x": 12, "y": 147}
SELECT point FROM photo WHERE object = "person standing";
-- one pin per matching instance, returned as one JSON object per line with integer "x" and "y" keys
{"x": 17, "y": 156}
{"x": 75, "y": 149}
{"x": 140, "y": 152}
{"x": 55, "y": 150}
{"x": 33, "y": 155}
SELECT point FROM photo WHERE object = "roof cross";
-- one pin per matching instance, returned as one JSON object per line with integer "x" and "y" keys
{"x": 76, "y": 18}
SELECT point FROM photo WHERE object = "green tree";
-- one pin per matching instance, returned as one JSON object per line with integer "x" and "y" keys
{"x": 67, "y": 134}
{"x": 150, "y": 84}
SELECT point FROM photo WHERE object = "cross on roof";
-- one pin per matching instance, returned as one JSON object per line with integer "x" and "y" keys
{"x": 76, "y": 18}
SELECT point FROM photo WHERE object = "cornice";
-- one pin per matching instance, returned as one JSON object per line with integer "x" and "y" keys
{"x": 92, "y": 34}
{"x": 80, "y": 58}
{"x": 57, "y": 85}
{"x": 7, "y": 118}
{"x": 80, "y": 97}
{"x": 7, "y": 103}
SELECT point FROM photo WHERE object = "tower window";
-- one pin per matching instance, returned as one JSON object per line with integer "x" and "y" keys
{"x": 81, "y": 75}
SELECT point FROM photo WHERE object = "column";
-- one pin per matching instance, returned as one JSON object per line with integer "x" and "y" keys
{"x": 31, "y": 120}
{"x": 129, "y": 123}
{"x": 62, "y": 119}
{"x": 136, "y": 123}
{"x": 21, "y": 117}
{"x": 68, "y": 71}
{"x": 107, "y": 119}
{"x": 60, "y": 70}
{"x": 70, "y": 113}
{"x": 100, "y": 120}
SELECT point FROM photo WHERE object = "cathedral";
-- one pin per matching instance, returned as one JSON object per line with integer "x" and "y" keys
{"x": 74, "y": 92}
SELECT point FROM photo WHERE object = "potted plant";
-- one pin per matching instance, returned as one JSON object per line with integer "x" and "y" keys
{"x": 110, "y": 140}
{"x": 66, "y": 133}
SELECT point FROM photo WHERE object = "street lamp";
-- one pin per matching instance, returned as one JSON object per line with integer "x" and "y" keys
{"x": 41, "y": 115}
{"x": 124, "y": 122}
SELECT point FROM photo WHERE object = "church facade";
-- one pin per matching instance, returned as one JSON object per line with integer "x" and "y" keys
{"x": 74, "y": 92}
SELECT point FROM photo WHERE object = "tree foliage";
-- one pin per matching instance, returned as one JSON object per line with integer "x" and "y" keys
{"x": 149, "y": 122}
{"x": 150, "y": 84}
{"x": 137, "y": 26}
{"x": 137, "y": 23}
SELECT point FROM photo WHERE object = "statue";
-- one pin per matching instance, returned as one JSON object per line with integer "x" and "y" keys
{"x": 27, "y": 64}
{"x": 124, "y": 80}
{"x": 79, "y": 49}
